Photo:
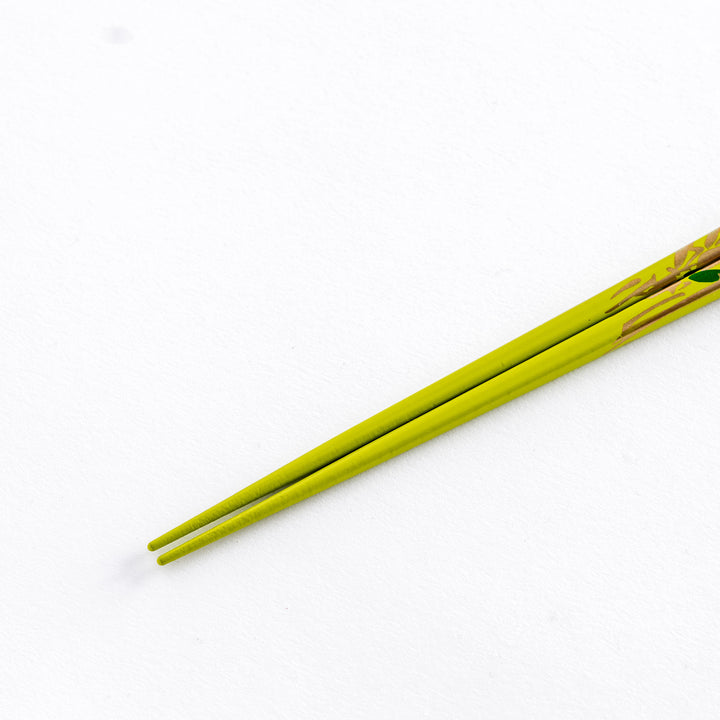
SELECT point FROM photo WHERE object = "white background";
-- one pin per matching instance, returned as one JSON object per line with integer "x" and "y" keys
{"x": 230, "y": 230}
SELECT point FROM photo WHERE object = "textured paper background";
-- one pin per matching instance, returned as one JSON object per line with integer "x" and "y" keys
{"x": 231, "y": 230}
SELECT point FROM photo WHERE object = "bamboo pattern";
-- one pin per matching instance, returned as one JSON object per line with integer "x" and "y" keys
{"x": 698, "y": 254}
{"x": 668, "y": 301}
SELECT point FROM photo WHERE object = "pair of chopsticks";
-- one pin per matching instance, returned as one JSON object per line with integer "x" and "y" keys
{"x": 663, "y": 292}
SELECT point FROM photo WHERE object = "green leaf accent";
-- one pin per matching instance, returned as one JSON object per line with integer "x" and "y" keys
{"x": 706, "y": 276}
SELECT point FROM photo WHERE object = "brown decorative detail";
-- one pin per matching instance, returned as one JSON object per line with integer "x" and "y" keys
{"x": 677, "y": 296}
{"x": 648, "y": 288}
{"x": 700, "y": 253}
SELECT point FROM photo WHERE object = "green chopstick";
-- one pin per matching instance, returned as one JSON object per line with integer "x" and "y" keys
{"x": 591, "y": 329}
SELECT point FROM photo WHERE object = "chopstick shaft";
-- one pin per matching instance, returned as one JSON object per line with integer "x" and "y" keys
{"x": 653, "y": 312}
{"x": 606, "y": 304}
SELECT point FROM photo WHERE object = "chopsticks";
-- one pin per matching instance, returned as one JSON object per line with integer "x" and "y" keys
{"x": 666, "y": 290}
